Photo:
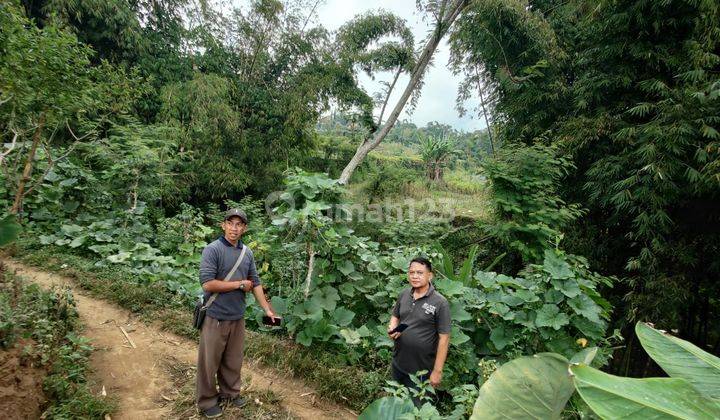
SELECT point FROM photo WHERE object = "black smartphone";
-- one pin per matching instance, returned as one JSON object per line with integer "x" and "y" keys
{"x": 269, "y": 321}
{"x": 399, "y": 328}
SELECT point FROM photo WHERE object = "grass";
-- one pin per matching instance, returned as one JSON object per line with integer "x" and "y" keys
{"x": 262, "y": 404}
{"x": 443, "y": 201}
{"x": 152, "y": 302}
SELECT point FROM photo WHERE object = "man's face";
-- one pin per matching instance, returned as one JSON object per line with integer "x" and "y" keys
{"x": 233, "y": 228}
{"x": 419, "y": 275}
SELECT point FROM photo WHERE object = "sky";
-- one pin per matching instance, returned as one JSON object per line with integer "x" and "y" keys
{"x": 437, "y": 100}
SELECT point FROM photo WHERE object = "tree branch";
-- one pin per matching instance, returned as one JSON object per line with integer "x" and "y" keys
{"x": 482, "y": 103}
{"x": 387, "y": 98}
{"x": 309, "y": 16}
{"x": 12, "y": 147}
{"x": 51, "y": 162}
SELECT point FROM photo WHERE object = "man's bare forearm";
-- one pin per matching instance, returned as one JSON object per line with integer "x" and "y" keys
{"x": 260, "y": 297}
{"x": 394, "y": 322}
{"x": 221, "y": 286}
{"x": 442, "y": 352}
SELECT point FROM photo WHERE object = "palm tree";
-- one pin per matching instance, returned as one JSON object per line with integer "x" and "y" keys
{"x": 435, "y": 151}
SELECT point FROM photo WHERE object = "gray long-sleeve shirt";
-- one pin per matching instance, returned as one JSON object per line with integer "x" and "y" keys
{"x": 217, "y": 260}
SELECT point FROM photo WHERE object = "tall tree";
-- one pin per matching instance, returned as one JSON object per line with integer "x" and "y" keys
{"x": 444, "y": 13}
{"x": 46, "y": 86}
{"x": 631, "y": 90}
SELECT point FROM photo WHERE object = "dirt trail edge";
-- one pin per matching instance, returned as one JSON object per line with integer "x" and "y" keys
{"x": 136, "y": 376}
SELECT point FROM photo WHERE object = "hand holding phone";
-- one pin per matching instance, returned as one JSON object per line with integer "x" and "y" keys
{"x": 275, "y": 321}
{"x": 395, "y": 332}
{"x": 400, "y": 328}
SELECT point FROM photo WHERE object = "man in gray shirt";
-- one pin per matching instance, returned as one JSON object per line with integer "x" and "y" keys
{"x": 423, "y": 345}
{"x": 223, "y": 331}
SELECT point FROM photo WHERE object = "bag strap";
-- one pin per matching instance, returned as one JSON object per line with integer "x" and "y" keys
{"x": 235, "y": 267}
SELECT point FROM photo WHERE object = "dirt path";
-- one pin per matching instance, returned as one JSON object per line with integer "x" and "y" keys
{"x": 137, "y": 376}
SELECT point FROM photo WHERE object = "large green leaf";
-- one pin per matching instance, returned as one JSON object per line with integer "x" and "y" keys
{"x": 9, "y": 230}
{"x": 445, "y": 265}
{"x": 681, "y": 359}
{"x": 465, "y": 274}
{"x": 308, "y": 311}
{"x": 343, "y": 316}
{"x": 457, "y": 337}
{"x": 550, "y": 316}
{"x": 458, "y": 312}
{"x": 387, "y": 408}
{"x": 614, "y": 397}
{"x": 557, "y": 267}
{"x": 449, "y": 287}
{"x": 583, "y": 305}
{"x": 569, "y": 288}
{"x": 346, "y": 267}
{"x": 279, "y": 305}
{"x": 325, "y": 298}
{"x": 530, "y": 387}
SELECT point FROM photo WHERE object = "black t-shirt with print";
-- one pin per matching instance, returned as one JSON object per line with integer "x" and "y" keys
{"x": 426, "y": 317}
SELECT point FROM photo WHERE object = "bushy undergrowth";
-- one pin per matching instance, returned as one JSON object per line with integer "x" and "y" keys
{"x": 47, "y": 322}
{"x": 323, "y": 366}
{"x": 335, "y": 286}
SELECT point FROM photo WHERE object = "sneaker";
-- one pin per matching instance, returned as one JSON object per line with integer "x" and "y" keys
{"x": 237, "y": 402}
{"x": 212, "y": 412}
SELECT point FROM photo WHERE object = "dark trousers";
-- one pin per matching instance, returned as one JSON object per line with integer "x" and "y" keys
{"x": 220, "y": 355}
{"x": 404, "y": 379}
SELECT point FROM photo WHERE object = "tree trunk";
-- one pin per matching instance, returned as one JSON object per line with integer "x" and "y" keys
{"x": 415, "y": 77}
{"x": 311, "y": 263}
{"x": 387, "y": 98}
{"x": 487, "y": 120}
{"x": 27, "y": 171}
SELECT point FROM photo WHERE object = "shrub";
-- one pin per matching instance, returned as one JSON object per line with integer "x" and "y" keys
{"x": 531, "y": 215}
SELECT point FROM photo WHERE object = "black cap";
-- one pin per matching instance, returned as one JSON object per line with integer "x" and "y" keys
{"x": 236, "y": 212}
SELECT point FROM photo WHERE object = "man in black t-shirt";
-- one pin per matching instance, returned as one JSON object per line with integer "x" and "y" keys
{"x": 423, "y": 345}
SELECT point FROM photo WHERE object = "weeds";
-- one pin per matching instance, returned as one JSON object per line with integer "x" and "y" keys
{"x": 49, "y": 321}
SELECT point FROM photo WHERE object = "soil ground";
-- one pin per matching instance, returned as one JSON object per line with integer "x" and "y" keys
{"x": 155, "y": 378}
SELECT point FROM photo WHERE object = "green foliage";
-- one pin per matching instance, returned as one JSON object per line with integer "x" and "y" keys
{"x": 139, "y": 163}
{"x": 357, "y": 35}
{"x": 548, "y": 308}
{"x": 9, "y": 230}
{"x": 50, "y": 321}
{"x": 611, "y": 397}
{"x": 542, "y": 384}
{"x": 690, "y": 392}
{"x": 531, "y": 214}
{"x": 387, "y": 408}
{"x": 435, "y": 152}
{"x": 43, "y": 70}
{"x": 184, "y": 234}
{"x": 629, "y": 91}
{"x": 387, "y": 180}
{"x": 536, "y": 386}
{"x": 682, "y": 359}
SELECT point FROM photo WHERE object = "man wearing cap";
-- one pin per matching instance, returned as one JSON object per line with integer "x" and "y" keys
{"x": 223, "y": 331}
